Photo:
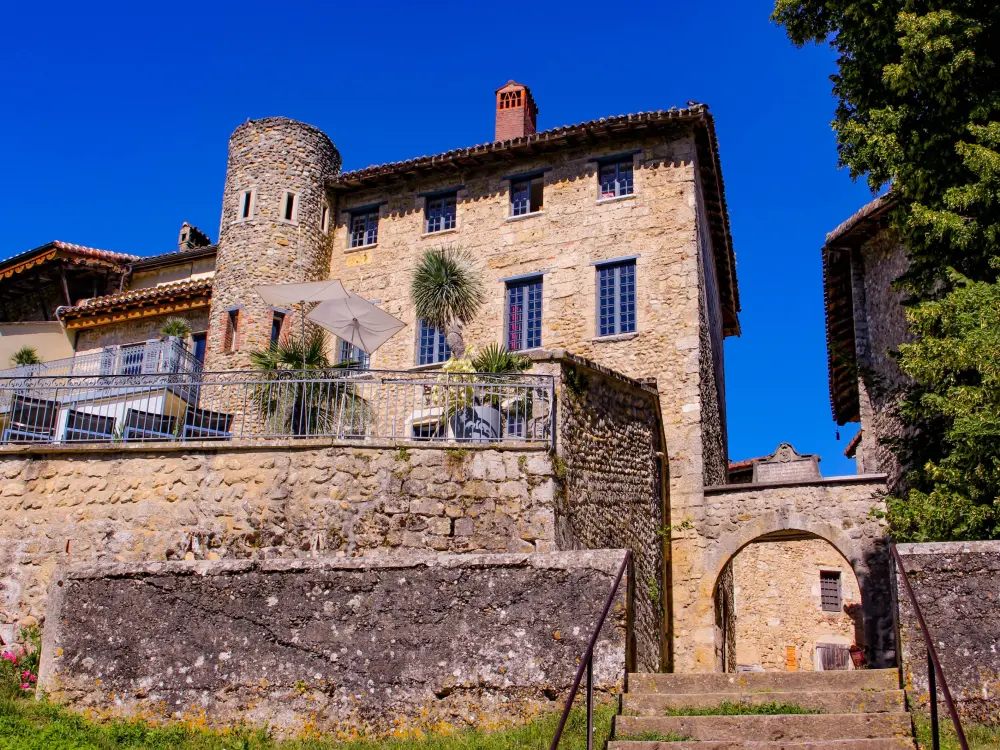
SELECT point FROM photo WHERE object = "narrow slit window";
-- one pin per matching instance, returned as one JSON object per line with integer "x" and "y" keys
{"x": 616, "y": 298}
{"x": 364, "y": 229}
{"x": 526, "y": 196}
{"x": 324, "y": 221}
{"x": 229, "y": 341}
{"x": 441, "y": 213}
{"x": 246, "y": 204}
{"x": 524, "y": 314}
{"x": 290, "y": 208}
{"x": 617, "y": 178}
{"x": 277, "y": 321}
{"x": 829, "y": 590}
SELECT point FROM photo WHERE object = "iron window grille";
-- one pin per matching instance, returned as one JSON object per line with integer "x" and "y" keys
{"x": 829, "y": 590}
{"x": 524, "y": 314}
{"x": 432, "y": 346}
{"x": 441, "y": 213}
{"x": 616, "y": 298}
{"x": 616, "y": 179}
{"x": 356, "y": 358}
{"x": 526, "y": 196}
{"x": 364, "y": 229}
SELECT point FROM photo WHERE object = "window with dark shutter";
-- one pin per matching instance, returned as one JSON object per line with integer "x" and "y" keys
{"x": 829, "y": 590}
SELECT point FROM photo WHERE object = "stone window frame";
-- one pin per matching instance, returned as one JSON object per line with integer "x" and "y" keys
{"x": 616, "y": 160}
{"x": 616, "y": 263}
{"x": 231, "y": 331}
{"x": 324, "y": 217}
{"x": 283, "y": 206}
{"x": 530, "y": 178}
{"x": 831, "y": 572}
{"x": 241, "y": 204}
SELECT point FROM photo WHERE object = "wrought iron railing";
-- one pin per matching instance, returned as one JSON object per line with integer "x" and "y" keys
{"x": 587, "y": 665}
{"x": 148, "y": 357}
{"x": 935, "y": 673}
{"x": 357, "y": 405}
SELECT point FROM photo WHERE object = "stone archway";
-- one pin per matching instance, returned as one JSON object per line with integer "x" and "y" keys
{"x": 835, "y": 510}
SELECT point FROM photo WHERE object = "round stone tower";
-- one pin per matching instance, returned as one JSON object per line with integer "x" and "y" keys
{"x": 275, "y": 229}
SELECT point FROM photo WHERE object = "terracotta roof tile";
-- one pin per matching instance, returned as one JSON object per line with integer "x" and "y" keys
{"x": 853, "y": 445}
{"x": 151, "y": 295}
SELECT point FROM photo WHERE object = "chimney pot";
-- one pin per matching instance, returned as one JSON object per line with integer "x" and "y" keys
{"x": 191, "y": 237}
{"x": 517, "y": 113}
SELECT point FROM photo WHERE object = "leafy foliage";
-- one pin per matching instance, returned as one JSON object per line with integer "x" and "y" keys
{"x": 447, "y": 293}
{"x": 26, "y": 355}
{"x": 176, "y": 327}
{"x": 497, "y": 358}
{"x": 19, "y": 664}
{"x": 294, "y": 353}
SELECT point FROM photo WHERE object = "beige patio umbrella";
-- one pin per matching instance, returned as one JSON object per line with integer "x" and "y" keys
{"x": 356, "y": 321}
{"x": 301, "y": 294}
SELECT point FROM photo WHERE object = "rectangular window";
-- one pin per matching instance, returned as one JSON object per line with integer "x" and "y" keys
{"x": 431, "y": 345}
{"x": 440, "y": 213}
{"x": 356, "y": 358}
{"x": 616, "y": 298}
{"x": 426, "y": 431}
{"x": 324, "y": 219}
{"x": 246, "y": 204}
{"x": 364, "y": 229}
{"x": 526, "y": 196}
{"x": 229, "y": 343}
{"x": 290, "y": 207}
{"x": 524, "y": 314}
{"x": 198, "y": 341}
{"x": 277, "y": 320}
{"x": 616, "y": 179}
{"x": 829, "y": 590}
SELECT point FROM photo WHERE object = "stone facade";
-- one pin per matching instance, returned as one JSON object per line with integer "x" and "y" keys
{"x": 299, "y": 499}
{"x": 838, "y": 510}
{"x": 778, "y": 613}
{"x": 135, "y": 331}
{"x": 956, "y": 585}
{"x": 339, "y": 647}
{"x": 268, "y": 157}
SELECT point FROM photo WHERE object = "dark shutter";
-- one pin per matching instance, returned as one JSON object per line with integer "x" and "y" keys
{"x": 829, "y": 590}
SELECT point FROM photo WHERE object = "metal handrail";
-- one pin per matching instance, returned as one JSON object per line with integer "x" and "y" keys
{"x": 934, "y": 670}
{"x": 587, "y": 665}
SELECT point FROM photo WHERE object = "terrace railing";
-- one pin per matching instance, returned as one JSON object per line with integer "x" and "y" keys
{"x": 148, "y": 357}
{"x": 356, "y": 405}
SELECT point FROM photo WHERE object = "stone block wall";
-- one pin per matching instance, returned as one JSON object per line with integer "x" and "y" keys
{"x": 957, "y": 585}
{"x": 135, "y": 331}
{"x": 343, "y": 647}
{"x": 296, "y": 499}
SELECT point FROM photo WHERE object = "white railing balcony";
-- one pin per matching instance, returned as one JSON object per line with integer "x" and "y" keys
{"x": 153, "y": 357}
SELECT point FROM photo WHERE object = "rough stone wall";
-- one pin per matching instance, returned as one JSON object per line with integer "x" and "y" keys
{"x": 778, "y": 607}
{"x": 268, "y": 156}
{"x": 956, "y": 585}
{"x": 299, "y": 499}
{"x": 135, "y": 331}
{"x": 880, "y": 327}
{"x": 611, "y": 488}
{"x": 345, "y": 648}
{"x": 837, "y": 510}
{"x": 658, "y": 224}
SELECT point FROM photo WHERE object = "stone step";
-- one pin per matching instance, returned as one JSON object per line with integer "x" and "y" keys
{"x": 783, "y": 728}
{"x": 876, "y": 744}
{"x": 751, "y": 682}
{"x": 826, "y": 701}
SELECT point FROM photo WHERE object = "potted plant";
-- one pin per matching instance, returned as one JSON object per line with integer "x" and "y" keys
{"x": 477, "y": 412}
{"x": 176, "y": 329}
{"x": 26, "y": 356}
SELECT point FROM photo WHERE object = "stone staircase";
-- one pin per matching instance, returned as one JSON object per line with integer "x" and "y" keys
{"x": 857, "y": 710}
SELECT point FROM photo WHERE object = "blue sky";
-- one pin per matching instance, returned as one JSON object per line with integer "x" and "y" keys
{"x": 116, "y": 118}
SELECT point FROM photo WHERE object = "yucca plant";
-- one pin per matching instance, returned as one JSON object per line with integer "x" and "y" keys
{"x": 177, "y": 327}
{"x": 26, "y": 355}
{"x": 291, "y": 404}
{"x": 447, "y": 293}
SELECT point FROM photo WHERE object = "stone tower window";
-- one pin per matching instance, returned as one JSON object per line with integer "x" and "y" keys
{"x": 324, "y": 219}
{"x": 247, "y": 204}
{"x": 230, "y": 342}
{"x": 829, "y": 590}
{"x": 290, "y": 207}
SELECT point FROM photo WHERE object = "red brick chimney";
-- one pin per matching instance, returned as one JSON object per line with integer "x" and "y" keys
{"x": 516, "y": 111}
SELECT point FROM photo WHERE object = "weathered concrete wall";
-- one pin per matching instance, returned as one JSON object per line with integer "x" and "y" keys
{"x": 778, "y": 611}
{"x": 338, "y": 646}
{"x": 297, "y": 499}
{"x": 837, "y": 509}
{"x": 611, "y": 485}
{"x": 957, "y": 585}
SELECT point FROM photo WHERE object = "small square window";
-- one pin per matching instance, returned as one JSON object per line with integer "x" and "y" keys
{"x": 290, "y": 207}
{"x": 524, "y": 314}
{"x": 426, "y": 431}
{"x": 829, "y": 590}
{"x": 246, "y": 205}
{"x": 440, "y": 213}
{"x": 324, "y": 219}
{"x": 616, "y": 178}
{"x": 526, "y": 196}
{"x": 616, "y": 298}
{"x": 432, "y": 346}
{"x": 364, "y": 229}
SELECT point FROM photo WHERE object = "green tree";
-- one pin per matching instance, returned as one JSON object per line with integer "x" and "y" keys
{"x": 447, "y": 293}
{"x": 919, "y": 110}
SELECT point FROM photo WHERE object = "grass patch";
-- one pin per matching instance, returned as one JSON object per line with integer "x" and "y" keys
{"x": 31, "y": 725}
{"x": 980, "y": 737}
{"x": 730, "y": 708}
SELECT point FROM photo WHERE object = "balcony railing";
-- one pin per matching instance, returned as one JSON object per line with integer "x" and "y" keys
{"x": 356, "y": 405}
{"x": 148, "y": 357}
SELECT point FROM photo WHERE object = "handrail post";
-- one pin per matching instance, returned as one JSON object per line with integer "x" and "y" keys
{"x": 932, "y": 689}
{"x": 590, "y": 703}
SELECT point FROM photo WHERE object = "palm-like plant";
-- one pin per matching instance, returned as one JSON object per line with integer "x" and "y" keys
{"x": 497, "y": 358}
{"x": 447, "y": 293}
{"x": 294, "y": 406}
{"x": 26, "y": 355}
{"x": 177, "y": 327}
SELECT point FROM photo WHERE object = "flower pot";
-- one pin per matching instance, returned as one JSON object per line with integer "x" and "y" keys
{"x": 476, "y": 424}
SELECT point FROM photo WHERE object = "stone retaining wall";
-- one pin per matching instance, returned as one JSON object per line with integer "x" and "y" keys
{"x": 343, "y": 647}
{"x": 957, "y": 585}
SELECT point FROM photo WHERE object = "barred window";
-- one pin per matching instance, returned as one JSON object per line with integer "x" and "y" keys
{"x": 616, "y": 298}
{"x": 524, "y": 314}
{"x": 364, "y": 229}
{"x": 432, "y": 346}
{"x": 441, "y": 213}
{"x": 829, "y": 590}
{"x": 616, "y": 179}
